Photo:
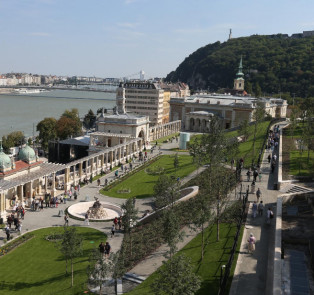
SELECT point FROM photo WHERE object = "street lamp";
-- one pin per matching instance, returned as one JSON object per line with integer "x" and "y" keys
{"x": 221, "y": 272}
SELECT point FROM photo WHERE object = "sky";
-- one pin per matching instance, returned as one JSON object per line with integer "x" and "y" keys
{"x": 118, "y": 38}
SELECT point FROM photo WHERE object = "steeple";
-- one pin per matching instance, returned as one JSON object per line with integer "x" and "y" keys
{"x": 240, "y": 73}
{"x": 239, "y": 80}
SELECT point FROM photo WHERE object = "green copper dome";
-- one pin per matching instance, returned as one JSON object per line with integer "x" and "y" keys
{"x": 27, "y": 154}
{"x": 5, "y": 161}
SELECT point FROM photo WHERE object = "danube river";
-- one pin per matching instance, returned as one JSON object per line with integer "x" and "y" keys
{"x": 22, "y": 112}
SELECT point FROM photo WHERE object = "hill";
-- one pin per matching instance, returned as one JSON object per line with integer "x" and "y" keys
{"x": 276, "y": 63}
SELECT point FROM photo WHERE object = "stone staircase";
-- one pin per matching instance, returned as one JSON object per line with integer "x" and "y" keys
{"x": 293, "y": 189}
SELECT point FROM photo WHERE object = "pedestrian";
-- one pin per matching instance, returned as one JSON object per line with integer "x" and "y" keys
{"x": 86, "y": 220}
{"x": 107, "y": 250}
{"x": 254, "y": 209}
{"x": 113, "y": 229}
{"x": 255, "y": 174}
{"x": 269, "y": 158}
{"x": 19, "y": 228}
{"x": 106, "y": 182}
{"x": 258, "y": 194}
{"x": 260, "y": 208}
{"x": 270, "y": 215}
{"x": 66, "y": 220}
{"x": 120, "y": 222}
{"x": 248, "y": 174}
{"x": 253, "y": 187}
{"x": 115, "y": 221}
{"x": 251, "y": 243}
{"x": 7, "y": 231}
{"x": 102, "y": 248}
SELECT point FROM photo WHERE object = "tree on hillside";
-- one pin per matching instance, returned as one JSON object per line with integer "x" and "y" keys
{"x": 176, "y": 277}
{"x": 13, "y": 139}
{"x": 47, "y": 131}
{"x": 257, "y": 90}
{"x": 70, "y": 246}
{"x": 89, "y": 119}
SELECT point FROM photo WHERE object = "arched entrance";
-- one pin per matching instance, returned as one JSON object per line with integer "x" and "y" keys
{"x": 141, "y": 134}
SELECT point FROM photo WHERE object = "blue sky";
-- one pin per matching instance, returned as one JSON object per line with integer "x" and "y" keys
{"x": 117, "y": 38}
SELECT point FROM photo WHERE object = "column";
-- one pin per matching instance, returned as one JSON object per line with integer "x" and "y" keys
{"x": 46, "y": 184}
{"x": 80, "y": 170}
{"x": 2, "y": 203}
{"x": 66, "y": 178}
{"x": 53, "y": 187}
{"x": 92, "y": 166}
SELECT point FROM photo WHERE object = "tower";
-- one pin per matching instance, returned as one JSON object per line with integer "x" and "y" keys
{"x": 239, "y": 80}
{"x": 120, "y": 100}
{"x": 230, "y": 34}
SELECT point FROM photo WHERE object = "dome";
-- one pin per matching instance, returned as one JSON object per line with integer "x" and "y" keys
{"x": 27, "y": 154}
{"x": 5, "y": 161}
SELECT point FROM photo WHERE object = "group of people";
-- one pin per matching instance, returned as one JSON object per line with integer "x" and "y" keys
{"x": 117, "y": 225}
{"x": 13, "y": 219}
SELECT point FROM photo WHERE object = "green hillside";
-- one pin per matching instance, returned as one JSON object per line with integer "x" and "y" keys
{"x": 275, "y": 63}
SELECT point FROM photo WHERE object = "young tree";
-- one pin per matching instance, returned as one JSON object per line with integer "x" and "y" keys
{"x": 244, "y": 130}
{"x": 201, "y": 214}
{"x": 99, "y": 269}
{"x": 70, "y": 246}
{"x": 47, "y": 131}
{"x": 258, "y": 116}
{"x": 129, "y": 218}
{"x": 166, "y": 191}
{"x": 176, "y": 277}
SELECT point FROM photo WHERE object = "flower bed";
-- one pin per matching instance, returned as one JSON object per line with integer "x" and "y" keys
{"x": 15, "y": 243}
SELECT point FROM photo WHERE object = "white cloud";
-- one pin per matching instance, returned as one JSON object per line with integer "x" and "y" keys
{"x": 40, "y": 34}
{"x": 128, "y": 25}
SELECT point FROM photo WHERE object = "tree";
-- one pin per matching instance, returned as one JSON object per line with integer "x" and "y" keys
{"x": 99, "y": 269}
{"x": 201, "y": 214}
{"x": 258, "y": 90}
{"x": 176, "y": 162}
{"x": 13, "y": 139}
{"x": 129, "y": 218}
{"x": 294, "y": 120}
{"x": 70, "y": 246}
{"x": 47, "y": 131}
{"x": 69, "y": 124}
{"x": 258, "y": 116}
{"x": 248, "y": 87}
{"x": 244, "y": 130}
{"x": 171, "y": 230}
{"x": 89, "y": 119}
{"x": 176, "y": 277}
{"x": 165, "y": 191}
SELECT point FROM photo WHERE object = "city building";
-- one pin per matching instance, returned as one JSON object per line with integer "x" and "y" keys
{"x": 196, "y": 111}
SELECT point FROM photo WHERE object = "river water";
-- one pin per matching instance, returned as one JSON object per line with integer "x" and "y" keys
{"x": 22, "y": 112}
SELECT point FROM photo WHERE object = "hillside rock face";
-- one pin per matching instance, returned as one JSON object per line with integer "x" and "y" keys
{"x": 276, "y": 63}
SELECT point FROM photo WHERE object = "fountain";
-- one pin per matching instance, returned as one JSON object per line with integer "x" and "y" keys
{"x": 96, "y": 211}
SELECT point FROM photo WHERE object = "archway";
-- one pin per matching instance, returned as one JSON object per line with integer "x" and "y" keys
{"x": 141, "y": 134}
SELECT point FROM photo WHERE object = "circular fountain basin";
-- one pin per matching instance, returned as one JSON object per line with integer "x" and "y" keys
{"x": 79, "y": 210}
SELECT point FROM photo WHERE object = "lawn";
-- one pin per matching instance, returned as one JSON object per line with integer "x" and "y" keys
{"x": 162, "y": 139}
{"x": 216, "y": 255}
{"x": 37, "y": 267}
{"x": 299, "y": 164}
{"x": 141, "y": 184}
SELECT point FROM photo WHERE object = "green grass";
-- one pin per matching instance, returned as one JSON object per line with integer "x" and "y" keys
{"x": 216, "y": 254}
{"x": 37, "y": 266}
{"x": 141, "y": 184}
{"x": 299, "y": 164}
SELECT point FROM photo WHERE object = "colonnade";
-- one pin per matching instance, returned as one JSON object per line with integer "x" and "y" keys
{"x": 159, "y": 131}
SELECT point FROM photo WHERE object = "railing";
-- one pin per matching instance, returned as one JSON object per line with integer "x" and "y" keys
{"x": 224, "y": 275}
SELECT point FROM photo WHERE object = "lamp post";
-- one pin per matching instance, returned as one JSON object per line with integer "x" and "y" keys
{"x": 221, "y": 273}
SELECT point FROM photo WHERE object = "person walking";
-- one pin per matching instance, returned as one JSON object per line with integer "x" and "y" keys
{"x": 269, "y": 158}
{"x": 248, "y": 174}
{"x": 251, "y": 243}
{"x": 253, "y": 187}
{"x": 7, "y": 231}
{"x": 66, "y": 220}
{"x": 260, "y": 208}
{"x": 258, "y": 194}
{"x": 115, "y": 221}
{"x": 107, "y": 249}
{"x": 254, "y": 209}
{"x": 86, "y": 220}
{"x": 113, "y": 229}
{"x": 102, "y": 248}
{"x": 270, "y": 215}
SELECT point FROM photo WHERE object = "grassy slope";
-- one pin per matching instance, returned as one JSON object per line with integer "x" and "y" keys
{"x": 298, "y": 161}
{"x": 37, "y": 267}
{"x": 216, "y": 254}
{"x": 141, "y": 184}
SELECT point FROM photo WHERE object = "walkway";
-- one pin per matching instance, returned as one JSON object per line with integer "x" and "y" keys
{"x": 254, "y": 272}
